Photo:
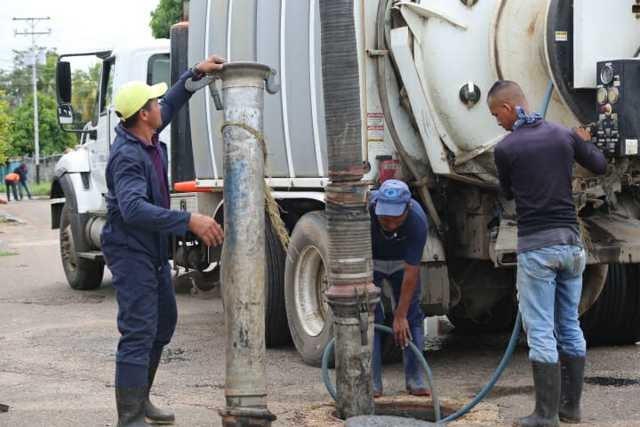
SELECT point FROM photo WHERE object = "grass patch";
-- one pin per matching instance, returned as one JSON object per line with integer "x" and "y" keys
{"x": 42, "y": 189}
{"x": 3, "y": 253}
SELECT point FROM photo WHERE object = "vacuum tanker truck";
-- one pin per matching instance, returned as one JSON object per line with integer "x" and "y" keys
{"x": 425, "y": 68}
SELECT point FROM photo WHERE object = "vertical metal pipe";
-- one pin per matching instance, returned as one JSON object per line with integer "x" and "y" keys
{"x": 352, "y": 294}
{"x": 243, "y": 255}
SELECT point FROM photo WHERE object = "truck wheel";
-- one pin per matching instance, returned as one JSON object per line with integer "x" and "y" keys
{"x": 82, "y": 274}
{"x": 614, "y": 319}
{"x": 305, "y": 281}
{"x": 276, "y": 328}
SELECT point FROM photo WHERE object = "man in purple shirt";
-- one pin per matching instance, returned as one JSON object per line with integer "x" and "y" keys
{"x": 135, "y": 239}
{"x": 535, "y": 166}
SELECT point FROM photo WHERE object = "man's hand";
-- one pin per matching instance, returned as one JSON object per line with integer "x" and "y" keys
{"x": 211, "y": 64}
{"x": 207, "y": 229}
{"x": 583, "y": 133}
{"x": 401, "y": 331}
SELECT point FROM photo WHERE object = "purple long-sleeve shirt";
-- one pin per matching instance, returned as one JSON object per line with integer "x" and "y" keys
{"x": 535, "y": 166}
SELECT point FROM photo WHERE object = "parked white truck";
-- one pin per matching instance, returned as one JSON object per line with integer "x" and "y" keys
{"x": 425, "y": 68}
{"x": 78, "y": 206}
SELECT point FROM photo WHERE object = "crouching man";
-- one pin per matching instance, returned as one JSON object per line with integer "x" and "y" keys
{"x": 398, "y": 235}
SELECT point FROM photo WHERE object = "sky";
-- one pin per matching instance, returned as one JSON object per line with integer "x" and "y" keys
{"x": 76, "y": 25}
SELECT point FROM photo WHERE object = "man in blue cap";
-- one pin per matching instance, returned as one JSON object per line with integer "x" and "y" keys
{"x": 399, "y": 230}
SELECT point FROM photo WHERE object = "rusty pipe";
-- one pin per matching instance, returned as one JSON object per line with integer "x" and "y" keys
{"x": 243, "y": 255}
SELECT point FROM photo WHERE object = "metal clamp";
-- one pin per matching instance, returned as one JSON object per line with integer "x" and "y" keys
{"x": 272, "y": 85}
{"x": 363, "y": 315}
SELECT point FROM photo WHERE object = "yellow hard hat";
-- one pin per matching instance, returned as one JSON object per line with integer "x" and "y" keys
{"x": 132, "y": 96}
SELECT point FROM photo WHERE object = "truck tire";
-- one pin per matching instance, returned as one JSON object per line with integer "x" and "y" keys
{"x": 308, "y": 313}
{"x": 614, "y": 319}
{"x": 276, "y": 326}
{"x": 82, "y": 274}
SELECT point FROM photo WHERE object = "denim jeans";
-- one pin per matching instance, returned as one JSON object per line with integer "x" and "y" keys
{"x": 414, "y": 376}
{"x": 549, "y": 288}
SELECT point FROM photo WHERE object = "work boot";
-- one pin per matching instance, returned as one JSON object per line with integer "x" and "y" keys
{"x": 413, "y": 371}
{"x": 154, "y": 414}
{"x": 130, "y": 404}
{"x": 546, "y": 379}
{"x": 572, "y": 371}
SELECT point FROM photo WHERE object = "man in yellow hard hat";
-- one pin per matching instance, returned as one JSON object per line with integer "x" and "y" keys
{"x": 135, "y": 239}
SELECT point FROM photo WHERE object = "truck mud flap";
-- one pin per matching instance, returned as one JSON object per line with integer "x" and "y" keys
{"x": 609, "y": 239}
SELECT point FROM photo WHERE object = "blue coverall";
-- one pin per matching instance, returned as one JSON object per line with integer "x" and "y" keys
{"x": 135, "y": 243}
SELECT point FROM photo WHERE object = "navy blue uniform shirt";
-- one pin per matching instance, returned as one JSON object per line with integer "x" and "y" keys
{"x": 138, "y": 220}
{"x": 407, "y": 242}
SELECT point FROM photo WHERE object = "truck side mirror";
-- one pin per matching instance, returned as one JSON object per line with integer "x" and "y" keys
{"x": 63, "y": 82}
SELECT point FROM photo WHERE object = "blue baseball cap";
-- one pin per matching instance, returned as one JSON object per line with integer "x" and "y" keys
{"x": 392, "y": 198}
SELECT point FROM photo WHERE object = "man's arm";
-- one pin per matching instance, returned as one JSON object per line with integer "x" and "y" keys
{"x": 504, "y": 172}
{"x": 587, "y": 154}
{"x": 401, "y": 329}
{"x": 130, "y": 188}
{"x": 178, "y": 95}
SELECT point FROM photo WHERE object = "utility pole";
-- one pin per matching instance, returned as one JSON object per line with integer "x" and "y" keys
{"x": 31, "y": 31}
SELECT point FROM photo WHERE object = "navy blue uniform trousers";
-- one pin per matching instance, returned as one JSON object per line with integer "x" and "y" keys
{"x": 147, "y": 315}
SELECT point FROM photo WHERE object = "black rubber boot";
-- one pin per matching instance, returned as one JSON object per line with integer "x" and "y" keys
{"x": 154, "y": 414}
{"x": 572, "y": 369}
{"x": 130, "y": 403}
{"x": 546, "y": 378}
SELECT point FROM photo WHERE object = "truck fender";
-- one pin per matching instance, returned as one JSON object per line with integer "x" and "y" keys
{"x": 76, "y": 161}
{"x": 81, "y": 201}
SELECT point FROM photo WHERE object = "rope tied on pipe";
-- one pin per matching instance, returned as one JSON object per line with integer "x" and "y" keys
{"x": 270, "y": 205}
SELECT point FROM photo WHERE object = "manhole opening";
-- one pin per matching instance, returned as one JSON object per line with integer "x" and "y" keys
{"x": 419, "y": 411}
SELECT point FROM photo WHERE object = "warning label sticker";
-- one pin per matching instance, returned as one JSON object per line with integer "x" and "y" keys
{"x": 375, "y": 127}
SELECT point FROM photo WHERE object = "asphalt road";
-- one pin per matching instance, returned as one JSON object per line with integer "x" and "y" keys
{"x": 57, "y": 351}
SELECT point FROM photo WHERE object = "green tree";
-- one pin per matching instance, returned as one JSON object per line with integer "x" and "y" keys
{"x": 52, "y": 138}
{"x": 166, "y": 14}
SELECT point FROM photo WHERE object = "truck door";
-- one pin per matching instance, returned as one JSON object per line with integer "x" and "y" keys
{"x": 107, "y": 120}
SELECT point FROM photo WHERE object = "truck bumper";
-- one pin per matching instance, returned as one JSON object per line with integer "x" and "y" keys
{"x": 609, "y": 239}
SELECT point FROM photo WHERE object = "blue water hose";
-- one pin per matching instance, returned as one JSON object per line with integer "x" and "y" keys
{"x": 506, "y": 357}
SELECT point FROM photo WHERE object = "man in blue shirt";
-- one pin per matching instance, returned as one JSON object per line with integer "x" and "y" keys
{"x": 135, "y": 239}
{"x": 535, "y": 166}
{"x": 398, "y": 235}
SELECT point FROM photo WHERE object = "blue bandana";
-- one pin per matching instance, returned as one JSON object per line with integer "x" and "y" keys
{"x": 524, "y": 118}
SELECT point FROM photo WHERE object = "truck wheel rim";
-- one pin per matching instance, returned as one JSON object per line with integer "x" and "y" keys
{"x": 310, "y": 285}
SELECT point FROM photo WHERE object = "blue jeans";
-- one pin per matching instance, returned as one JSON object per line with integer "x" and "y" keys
{"x": 414, "y": 376}
{"x": 549, "y": 288}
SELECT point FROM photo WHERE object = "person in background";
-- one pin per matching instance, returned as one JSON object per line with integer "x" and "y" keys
{"x": 11, "y": 181}
{"x": 23, "y": 172}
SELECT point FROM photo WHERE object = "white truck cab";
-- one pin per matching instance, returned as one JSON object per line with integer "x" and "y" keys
{"x": 79, "y": 186}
